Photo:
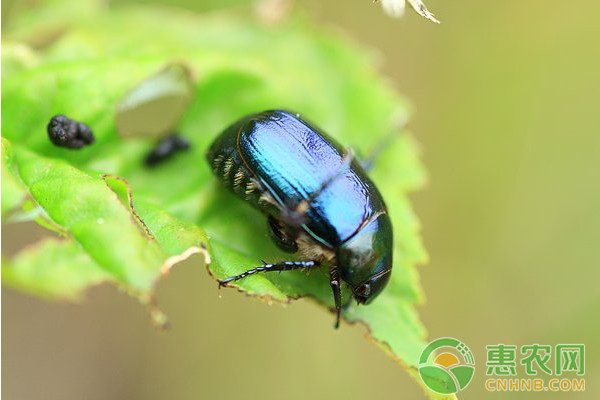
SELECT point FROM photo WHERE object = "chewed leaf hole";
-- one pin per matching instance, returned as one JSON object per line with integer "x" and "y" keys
{"x": 154, "y": 106}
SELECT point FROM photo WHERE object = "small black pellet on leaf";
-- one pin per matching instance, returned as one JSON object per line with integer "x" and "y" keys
{"x": 166, "y": 148}
{"x": 65, "y": 132}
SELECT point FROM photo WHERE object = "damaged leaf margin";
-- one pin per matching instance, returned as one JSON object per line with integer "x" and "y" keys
{"x": 93, "y": 209}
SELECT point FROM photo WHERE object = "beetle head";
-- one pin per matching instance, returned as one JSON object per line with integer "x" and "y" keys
{"x": 365, "y": 261}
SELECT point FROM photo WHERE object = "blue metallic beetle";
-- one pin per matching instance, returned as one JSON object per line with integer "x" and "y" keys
{"x": 318, "y": 200}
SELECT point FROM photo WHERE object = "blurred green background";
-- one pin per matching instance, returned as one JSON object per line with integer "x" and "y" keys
{"x": 506, "y": 97}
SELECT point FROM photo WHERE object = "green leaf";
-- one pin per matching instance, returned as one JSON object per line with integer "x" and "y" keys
{"x": 13, "y": 190}
{"x": 239, "y": 67}
{"x": 130, "y": 247}
{"x": 85, "y": 207}
{"x": 54, "y": 269}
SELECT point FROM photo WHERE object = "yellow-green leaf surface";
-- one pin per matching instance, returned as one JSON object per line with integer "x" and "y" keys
{"x": 130, "y": 248}
{"x": 126, "y": 223}
{"x": 53, "y": 268}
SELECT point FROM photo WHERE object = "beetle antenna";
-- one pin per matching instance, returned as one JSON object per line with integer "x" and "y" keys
{"x": 398, "y": 125}
{"x": 304, "y": 205}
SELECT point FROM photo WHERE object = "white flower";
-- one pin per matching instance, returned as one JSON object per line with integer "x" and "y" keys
{"x": 395, "y": 8}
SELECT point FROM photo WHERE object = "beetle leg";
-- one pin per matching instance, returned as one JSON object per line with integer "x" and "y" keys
{"x": 334, "y": 282}
{"x": 282, "y": 266}
{"x": 284, "y": 239}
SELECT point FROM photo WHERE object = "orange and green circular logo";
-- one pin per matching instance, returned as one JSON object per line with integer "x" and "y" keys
{"x": 446, "y": 365}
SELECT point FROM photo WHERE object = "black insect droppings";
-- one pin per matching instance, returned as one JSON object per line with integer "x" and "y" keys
{"x": 65, "y": 132}
{"x": 166, "y": 148}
